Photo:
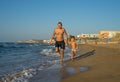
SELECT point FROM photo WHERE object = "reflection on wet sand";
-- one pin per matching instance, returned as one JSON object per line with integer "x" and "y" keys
{"x": 68, "y": 71}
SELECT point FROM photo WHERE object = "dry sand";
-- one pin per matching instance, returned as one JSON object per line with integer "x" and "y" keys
{"x": 104, "y": 64}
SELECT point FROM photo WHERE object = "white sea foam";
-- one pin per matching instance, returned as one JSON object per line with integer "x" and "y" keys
{"x": 22, "y": 76}
{"x": 51, "y": 51}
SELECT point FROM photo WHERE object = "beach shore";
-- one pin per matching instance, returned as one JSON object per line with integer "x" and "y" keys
{"x": 102, "y": 64}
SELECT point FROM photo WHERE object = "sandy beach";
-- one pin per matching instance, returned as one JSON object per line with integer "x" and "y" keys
{"x": 98, "y": 63}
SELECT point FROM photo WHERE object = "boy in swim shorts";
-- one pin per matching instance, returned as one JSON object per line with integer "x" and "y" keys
{"x": 74, "y": 47}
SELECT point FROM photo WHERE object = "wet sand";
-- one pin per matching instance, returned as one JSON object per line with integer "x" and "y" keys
{"x": 98, "y": 63}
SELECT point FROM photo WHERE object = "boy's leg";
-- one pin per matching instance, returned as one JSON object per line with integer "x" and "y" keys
{"x": 72, "y": 55}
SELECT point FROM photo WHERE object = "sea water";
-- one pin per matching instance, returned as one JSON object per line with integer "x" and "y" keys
{"x": 20, "y": 62}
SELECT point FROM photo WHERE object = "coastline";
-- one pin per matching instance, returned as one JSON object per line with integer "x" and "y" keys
{"x": 93, "y": 63}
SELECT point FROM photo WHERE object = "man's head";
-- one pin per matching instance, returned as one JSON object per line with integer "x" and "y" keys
{"x": 59, "y": 24}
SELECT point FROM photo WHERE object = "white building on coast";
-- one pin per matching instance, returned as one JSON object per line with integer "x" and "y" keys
{"x": 88, "y": 36}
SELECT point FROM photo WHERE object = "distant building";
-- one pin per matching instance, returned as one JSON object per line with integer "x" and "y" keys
{"x": 107, "y": 34}
{"x": 88, "y": 36}
{"x": 46, "y": 41}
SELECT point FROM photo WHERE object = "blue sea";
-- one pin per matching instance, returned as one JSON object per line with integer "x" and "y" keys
{"x": 29, "y": 62}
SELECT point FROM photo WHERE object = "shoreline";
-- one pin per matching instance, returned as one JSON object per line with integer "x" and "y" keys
{"x": 93, "y": 63}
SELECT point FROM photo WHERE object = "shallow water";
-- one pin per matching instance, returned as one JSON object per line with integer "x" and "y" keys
{"x": 20, "y": 62}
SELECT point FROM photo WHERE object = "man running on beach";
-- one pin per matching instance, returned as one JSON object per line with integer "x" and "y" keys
{"x": 58, "y": 36}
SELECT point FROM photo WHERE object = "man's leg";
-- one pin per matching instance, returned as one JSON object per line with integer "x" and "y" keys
{"x": 57, "y": 50}
{"x": 61, "y": 55}
{"x": 62, "y": 47}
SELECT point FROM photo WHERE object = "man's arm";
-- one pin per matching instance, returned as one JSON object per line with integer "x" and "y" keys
{"x": 53, "y": 35}
{"x": 66, "y": 35}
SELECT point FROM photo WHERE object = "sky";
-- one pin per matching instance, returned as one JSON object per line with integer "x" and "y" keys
{"x": 36, "y": 19}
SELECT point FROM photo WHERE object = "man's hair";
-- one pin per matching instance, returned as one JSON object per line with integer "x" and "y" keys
{"x": 60, "y": 23}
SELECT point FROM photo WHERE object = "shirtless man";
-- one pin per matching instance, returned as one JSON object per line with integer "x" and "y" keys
{"x": 58, "y": 36}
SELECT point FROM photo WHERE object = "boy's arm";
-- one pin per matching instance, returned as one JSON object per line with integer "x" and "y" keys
{"x": 76, "y": 45}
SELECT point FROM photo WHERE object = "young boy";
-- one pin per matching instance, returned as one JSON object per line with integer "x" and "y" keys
{"x": 74, "y": 47}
